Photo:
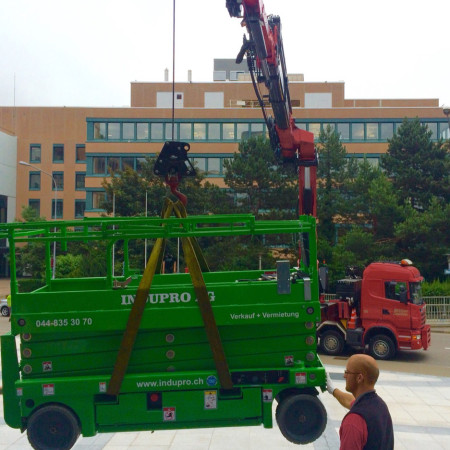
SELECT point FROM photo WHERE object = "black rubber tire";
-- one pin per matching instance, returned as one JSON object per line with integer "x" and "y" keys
{"x": 301, "y": 418}
{"x": 332, "y": 342}
{"x": 382, "y": 347}
{"x": 53, "y": 427}
{"x": 5, "y": 311}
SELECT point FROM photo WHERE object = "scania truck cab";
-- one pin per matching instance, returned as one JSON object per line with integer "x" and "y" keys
{"x": 383, "y": 311}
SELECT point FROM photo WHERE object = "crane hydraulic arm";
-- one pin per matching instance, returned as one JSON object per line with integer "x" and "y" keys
{"x": 265, "y": 58}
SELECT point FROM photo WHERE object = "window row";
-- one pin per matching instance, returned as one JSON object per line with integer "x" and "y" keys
{"x": 231, "y": 131}
{"x": 211, "y": 165}
{"x": 80, "y": 207}
{"x": 103, "y": 165}
{"x": 371, "y": 131}
{"x": 34, "y": 183}
{"x": 57, "y": 154}
{"x": 162, "y": 131}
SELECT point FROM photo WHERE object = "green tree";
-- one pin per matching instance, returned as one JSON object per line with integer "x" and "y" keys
{"x": 371, "y": 200}
{"x": 418, "y": 167}
{"x": 425, "y": 239}
{"x": 331, "y": 175}
{"x": 262, "y": 185}
{"x": 355, "y": 248}
{"x": 128, "y": 189}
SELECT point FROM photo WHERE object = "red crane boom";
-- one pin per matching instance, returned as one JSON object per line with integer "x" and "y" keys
{"x": 266, "y": 62}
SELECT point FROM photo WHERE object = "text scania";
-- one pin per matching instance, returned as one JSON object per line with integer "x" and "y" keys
{"x": 166, "y": 297}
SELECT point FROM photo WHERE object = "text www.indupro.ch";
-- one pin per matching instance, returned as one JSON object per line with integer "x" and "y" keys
{"x": 169, "y": 383}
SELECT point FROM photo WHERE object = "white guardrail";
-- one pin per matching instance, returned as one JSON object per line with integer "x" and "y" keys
{"x": 438, "y": 309}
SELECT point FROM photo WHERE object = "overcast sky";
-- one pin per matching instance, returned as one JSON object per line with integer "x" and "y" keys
{"x": 86, "y": 52}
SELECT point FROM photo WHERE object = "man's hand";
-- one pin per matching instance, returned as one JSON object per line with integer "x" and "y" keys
{"x": 330, "y": 385}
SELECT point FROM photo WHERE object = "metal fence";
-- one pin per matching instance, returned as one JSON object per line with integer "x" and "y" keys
{"x": 438, "y": 309}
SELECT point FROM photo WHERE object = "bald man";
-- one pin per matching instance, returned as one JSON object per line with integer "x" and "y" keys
{"x": 368, "y": 424}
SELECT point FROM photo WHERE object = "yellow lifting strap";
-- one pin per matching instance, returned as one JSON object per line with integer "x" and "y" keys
{"x": 135, "y": 317}
{"x": 192, "y": 254}
{"x": 196, "y": 263}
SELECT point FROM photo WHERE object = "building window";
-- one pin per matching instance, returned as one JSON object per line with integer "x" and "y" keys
{"x": 127, "y": 162}
{"x": 357, "y": 131}
{"x": 257, "y": 129}
{"x": 169, "y": 135}
{"x": 214, "y": 131}
{"x": 99, "y": 130}
{"x": 36, "y": 205}
{"x": 128, "y": 131}
{"x": 199, "y": 164}
{"x": 213, "y": 166}
{"x": 228, "y": 131}
{"x": 59, "y": 181}
{"x": 199, "y": 131}
{"x": 331, "y": 125}
{"x": 343, "y": 130}
{"x": 97, "y": 199}
{"x": 432, "y": 126}
{"x": 113, "y": 164}
{"x": 318, "y": 100}
{"x": 35, "y": 153}
{"x": 386, "y": 131}
{"x": 80, "y": 181}
{"x": 58, "y": 153}
{"x": 157, "y": 131}
{"x": 113, "y": 131}
{"x": 214, "y": 100}
{"x": 59, "y": 209}
{"x": 142, "y": 131}
{"x": 372, "y": 131}
{"x": 139, "y": 163}
{"x": 242, "y": 131}
{"x": 164, "y": 100}
{"x": 80, "y": 207}
{"x": 99, "y": 165}
{"x": 314, "y": 128}
{"x": 80, "y": 153}
{"x": 444, "y": 131}
{"x": 185, "y": 131}
{"x": 35, "y": 181}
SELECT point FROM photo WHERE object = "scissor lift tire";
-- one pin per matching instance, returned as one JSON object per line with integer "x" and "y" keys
{"x": 53, "y": 427}
{"x": 301, "y": 418}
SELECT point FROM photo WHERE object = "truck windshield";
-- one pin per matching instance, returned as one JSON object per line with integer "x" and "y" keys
{"x": 416, "y": 293}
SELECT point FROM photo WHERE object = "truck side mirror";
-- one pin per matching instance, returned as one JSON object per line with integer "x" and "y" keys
{"x": 403, "y": 296}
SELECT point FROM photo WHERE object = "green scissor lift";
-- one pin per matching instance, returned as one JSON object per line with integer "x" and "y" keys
{"x": 153, "y": 351}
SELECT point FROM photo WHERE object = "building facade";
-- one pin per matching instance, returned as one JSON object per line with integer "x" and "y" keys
{"x": 62, "y": 154}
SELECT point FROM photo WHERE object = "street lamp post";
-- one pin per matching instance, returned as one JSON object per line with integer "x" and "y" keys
{"x": 23, "y": 163}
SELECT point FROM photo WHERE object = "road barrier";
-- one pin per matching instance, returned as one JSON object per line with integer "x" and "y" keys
{"x": 438, "y": 310}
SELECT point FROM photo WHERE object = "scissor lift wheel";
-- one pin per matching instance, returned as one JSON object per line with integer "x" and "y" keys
{"x": 53, "y": 427}
{"x": 301, "y": 418}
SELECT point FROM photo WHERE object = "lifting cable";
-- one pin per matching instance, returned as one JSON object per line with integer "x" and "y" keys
{"x": 173, "y": 72}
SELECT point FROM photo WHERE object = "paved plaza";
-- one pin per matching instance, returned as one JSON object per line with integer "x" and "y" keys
{"x": 419, "y": 405}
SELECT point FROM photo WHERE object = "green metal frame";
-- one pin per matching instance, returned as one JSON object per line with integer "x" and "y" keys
{"x": 71, "y": 330}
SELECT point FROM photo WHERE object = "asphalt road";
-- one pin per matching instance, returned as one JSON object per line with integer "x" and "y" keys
{"x": 434, "y": 361}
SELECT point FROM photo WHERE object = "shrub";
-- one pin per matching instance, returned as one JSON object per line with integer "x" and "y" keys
{"x": 436, "y": 288}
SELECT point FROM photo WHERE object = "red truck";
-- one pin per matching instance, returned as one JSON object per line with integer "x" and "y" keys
{"x": 382, "y": 311}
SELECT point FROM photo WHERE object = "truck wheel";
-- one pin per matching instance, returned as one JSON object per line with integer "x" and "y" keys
{"x": 332, "y": 342}
{"x": 53, "y": 427}
{"x": 5, "y": 311}
{"x": 301, "y": 418}
{"x": 382, "y": 347}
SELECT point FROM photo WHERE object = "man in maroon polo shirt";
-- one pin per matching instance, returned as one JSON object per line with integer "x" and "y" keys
{"x": 368, "y": 424}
